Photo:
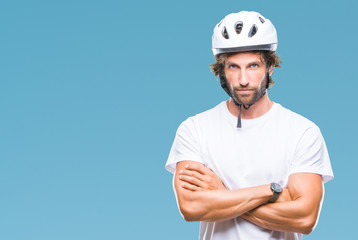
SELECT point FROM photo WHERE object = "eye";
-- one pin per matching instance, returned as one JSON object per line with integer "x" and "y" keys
{"x": 254, "y": 65}
{"x": 232, "y": 66}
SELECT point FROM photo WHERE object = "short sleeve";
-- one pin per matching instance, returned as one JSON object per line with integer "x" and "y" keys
{"x": 185, "y": 146}
{"x": 311, "y": 155}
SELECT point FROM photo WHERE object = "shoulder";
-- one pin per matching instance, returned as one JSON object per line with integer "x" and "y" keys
{"x": 295, "y": 126}
{"x": 294, "y": 119}
{"x": 204, "y": 118}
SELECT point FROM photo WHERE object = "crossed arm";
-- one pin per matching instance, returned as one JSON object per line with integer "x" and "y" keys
{"x": 203, "y": 197}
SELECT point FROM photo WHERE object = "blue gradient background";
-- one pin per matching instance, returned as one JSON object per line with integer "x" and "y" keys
{"x": 92, "y": 92}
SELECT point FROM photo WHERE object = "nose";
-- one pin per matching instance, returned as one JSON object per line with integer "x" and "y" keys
{"x": 243, "y": 78}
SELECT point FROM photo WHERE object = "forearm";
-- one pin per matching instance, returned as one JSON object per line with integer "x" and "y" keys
{"x": 296, "y": 209}
{"x": 299, "y": 214}
{"x": 284, "y": 217}
{"x": 220, "y": 205}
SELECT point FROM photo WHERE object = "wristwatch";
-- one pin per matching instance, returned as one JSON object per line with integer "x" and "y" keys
{"x": 276, "y": 189}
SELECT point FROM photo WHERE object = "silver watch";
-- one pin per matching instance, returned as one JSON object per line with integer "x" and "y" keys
{"x": 277, "y": 190}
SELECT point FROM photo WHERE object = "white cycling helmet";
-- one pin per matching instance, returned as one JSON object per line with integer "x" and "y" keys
{"x": 244, "y": 31}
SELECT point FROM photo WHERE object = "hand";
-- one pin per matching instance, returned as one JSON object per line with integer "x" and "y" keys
{"x": 197, "y": 177}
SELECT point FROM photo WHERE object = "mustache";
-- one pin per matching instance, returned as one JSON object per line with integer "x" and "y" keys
{"x": 243, "y": 88}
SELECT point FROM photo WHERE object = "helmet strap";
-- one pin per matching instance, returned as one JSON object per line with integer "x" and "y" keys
{"x": 239, "y": 119}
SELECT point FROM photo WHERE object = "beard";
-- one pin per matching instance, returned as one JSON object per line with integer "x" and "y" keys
{"x": 250, "y": 98}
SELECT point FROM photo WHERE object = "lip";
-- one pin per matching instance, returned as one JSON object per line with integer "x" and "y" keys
{"x": 244, "y": 90}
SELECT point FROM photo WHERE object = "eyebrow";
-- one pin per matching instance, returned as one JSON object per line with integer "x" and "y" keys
{"x": 248, "y": 64}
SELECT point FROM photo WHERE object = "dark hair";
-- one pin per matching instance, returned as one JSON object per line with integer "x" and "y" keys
{"x": 268, "y": 57}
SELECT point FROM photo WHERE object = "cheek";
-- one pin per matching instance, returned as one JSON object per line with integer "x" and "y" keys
{"x": 228, "y": 73}
{"x": 258, "y": 77}
{"x": 229, "y": 76}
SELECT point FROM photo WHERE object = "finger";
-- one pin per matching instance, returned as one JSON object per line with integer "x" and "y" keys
{"x": 190, "y": 187}
{"x": 200, "y": 168}
{"x": 192, "y": 180}
{"x": 194, "y": 174}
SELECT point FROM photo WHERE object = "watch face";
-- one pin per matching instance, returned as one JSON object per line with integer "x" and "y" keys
{"x": 276, "y": 187}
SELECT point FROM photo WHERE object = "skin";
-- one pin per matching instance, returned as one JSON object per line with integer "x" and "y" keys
{"x": 295, "y": 210}
{"x": 246, "y": 75}
{"x": 203, "y": 197}
{"x": 216, "y": 204}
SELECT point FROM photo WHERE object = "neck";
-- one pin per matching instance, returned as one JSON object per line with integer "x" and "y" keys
{"x": 262, "y": 106}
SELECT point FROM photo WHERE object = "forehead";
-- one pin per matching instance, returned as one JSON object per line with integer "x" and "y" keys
{"x": 245, "y": 57}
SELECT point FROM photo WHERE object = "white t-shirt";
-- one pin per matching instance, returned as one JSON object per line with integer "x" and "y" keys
{"x": 266, "y": 149}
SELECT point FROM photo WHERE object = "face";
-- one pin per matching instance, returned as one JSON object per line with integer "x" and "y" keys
{"x": 246, "y": 77}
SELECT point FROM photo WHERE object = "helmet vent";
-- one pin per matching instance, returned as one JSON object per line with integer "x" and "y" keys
{"x": 224, "y": 33}
{"x": 238, "y": 27}
{"x": 262, "y": 20}
{"x": 253, "y": 31}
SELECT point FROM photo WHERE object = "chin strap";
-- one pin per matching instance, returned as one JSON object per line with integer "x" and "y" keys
{"x": 246, "y": 108}
{"x": 239, "y": 117}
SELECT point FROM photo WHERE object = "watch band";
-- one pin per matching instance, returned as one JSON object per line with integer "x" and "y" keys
{"x": 276, "y": 189}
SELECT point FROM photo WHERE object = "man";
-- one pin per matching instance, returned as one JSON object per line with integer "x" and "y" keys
{"x": 249, "y": 168}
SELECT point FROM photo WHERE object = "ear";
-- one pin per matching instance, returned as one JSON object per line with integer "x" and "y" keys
{"x": 271, "y": 71}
